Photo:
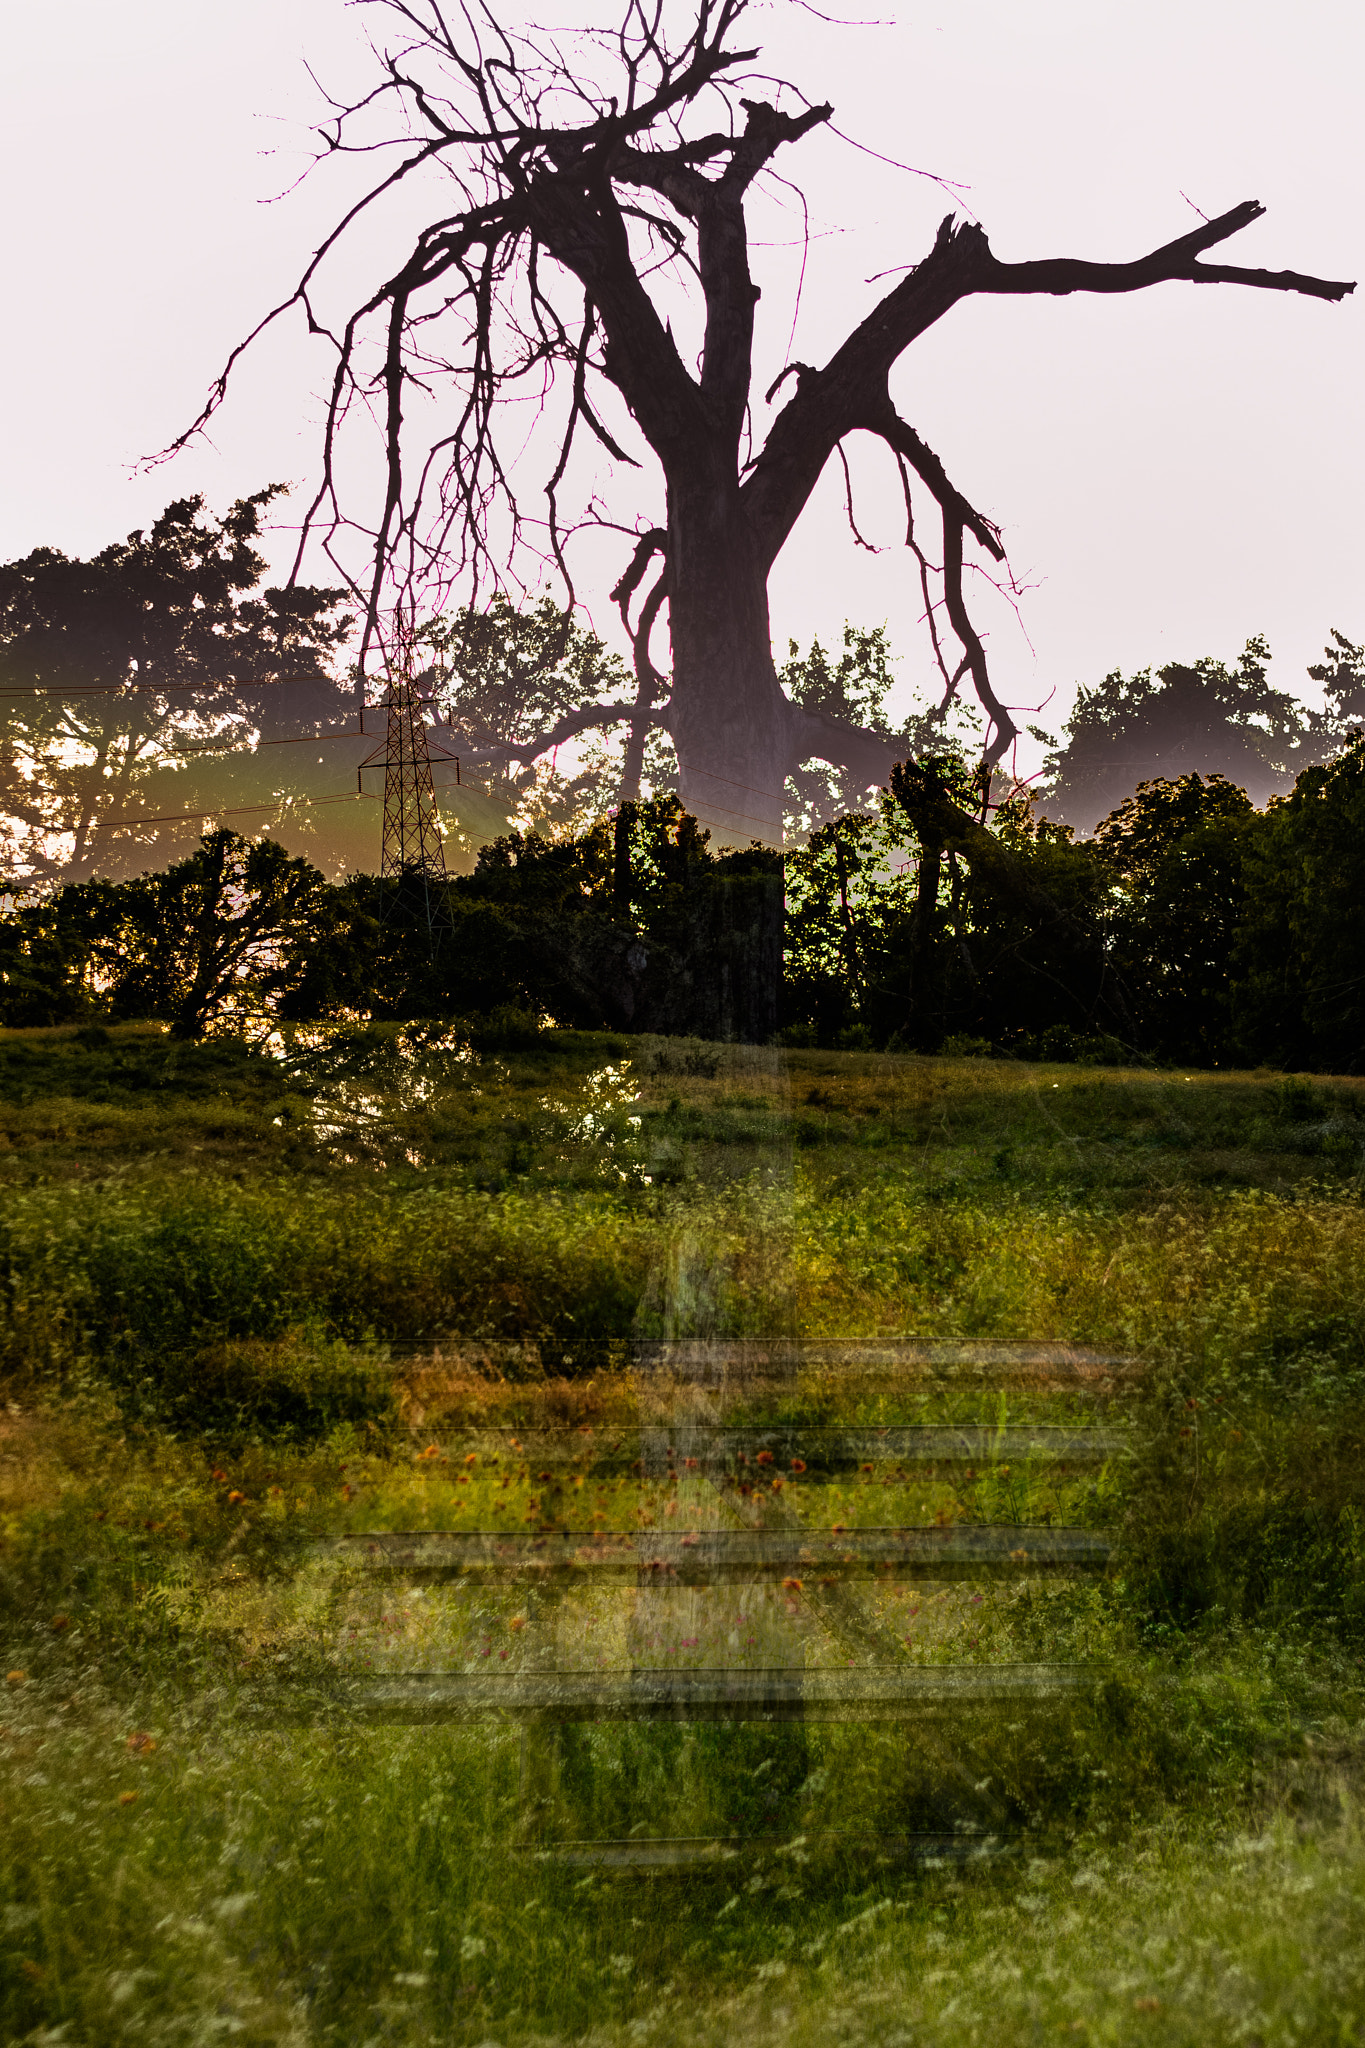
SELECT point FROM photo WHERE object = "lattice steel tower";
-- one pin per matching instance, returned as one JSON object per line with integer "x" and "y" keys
{"x": 412, "y": 842}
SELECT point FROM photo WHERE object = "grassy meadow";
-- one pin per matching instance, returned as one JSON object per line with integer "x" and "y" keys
{"x": 346, "y": 1280}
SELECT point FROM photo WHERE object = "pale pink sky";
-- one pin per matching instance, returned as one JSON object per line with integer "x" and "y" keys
{"x": 1173, "y": 471}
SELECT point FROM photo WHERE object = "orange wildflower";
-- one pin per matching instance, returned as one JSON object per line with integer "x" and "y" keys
{"x": 126, "y": 1798}
{"x": 798, "y": 1464}
{"x": 59, "y": 1622}
{"x": 471, "y": 1457}
{"x": 517, "y": 1621}
{"x": 764, "y": 1458}
{"x": 16, "y": 1678}
{"x": 140, "y": 1743}
{"x": 791, "y": 1585}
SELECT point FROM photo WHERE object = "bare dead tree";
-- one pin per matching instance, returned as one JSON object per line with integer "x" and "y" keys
{"x": 572, "y": 209}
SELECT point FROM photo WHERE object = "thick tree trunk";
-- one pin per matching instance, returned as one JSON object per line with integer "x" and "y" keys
{"x": 730, "y": 723}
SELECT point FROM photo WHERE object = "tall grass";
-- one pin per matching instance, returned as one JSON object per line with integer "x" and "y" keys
{"x": 209, "y": 1364}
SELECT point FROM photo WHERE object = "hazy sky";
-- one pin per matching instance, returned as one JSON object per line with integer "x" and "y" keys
{"x": 1173, "y": 471}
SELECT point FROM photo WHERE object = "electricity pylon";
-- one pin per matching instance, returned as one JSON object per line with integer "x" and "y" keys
{"x": 413, "y": 852}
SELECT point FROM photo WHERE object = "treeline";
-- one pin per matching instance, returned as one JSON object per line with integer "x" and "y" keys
{"x": 1189, "y": 927}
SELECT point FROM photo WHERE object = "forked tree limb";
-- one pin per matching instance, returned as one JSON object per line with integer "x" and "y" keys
{"x": 586, "y": 718}
{"x": 828, "y": 402}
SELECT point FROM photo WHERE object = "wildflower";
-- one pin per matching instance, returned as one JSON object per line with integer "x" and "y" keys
{"x": 16, "y": 1678}
{"x": 233, "y": 1499}
{"x": 791, "y": 1585}
{"x": 778, "y": 1485}
{"x": 277, "y": 1493}
{"x": 59, "y": 1622}
{"x": 836, "y": 1528}
{"x": 517, "y": 1621}
{"x": 126, "y": 1798}
{"x": 221, "y": 1477}
{"x": 867, "y": 1468}
{"x": 690, "y": 1539}
{"x": 502, "y": 1656}
{"x": 140, "y": 1743}
{"x": 798, "y": 1464}
{"x": 471, "y": 1457}
{"x": 691, "y": 1464}
{"x": 764, "y": 1458}
{"x": 431, "y": 1451}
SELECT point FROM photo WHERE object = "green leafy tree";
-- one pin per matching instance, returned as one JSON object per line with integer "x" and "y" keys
{"x": 1177, "y": 850}
{"x": 1342, "y": 674}
{"x": 135, "y": 684}
{"x": 851, "y": 689}
{"x": 212, "y": 943}
{"x": 1202, "y": 719}
{"x": 521, "y": 686}
{"x": 1300, "y": 954}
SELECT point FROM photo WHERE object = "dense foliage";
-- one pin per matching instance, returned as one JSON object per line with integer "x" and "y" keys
{"x": 1190, "y": 927}
{"x": 1201, "y": 718}
{"x": 137, "y": 684}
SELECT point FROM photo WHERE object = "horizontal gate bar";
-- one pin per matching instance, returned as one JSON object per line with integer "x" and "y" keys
{"x": 696, "y": 1357}
{"x": 690, "y": 1852}
{"x": 861, "y": 1693}
{"x": 820, "y": 1448}
{"x": 715, "y": 1556}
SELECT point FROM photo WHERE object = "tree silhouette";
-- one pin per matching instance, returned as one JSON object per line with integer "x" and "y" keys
{"x": 577, "y": 187}
{"x": 1199, "y": 718}
{"x": 149, "y": 672}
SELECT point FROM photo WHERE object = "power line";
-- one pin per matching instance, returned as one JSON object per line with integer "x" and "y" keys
{"x": 25, "y": 692}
